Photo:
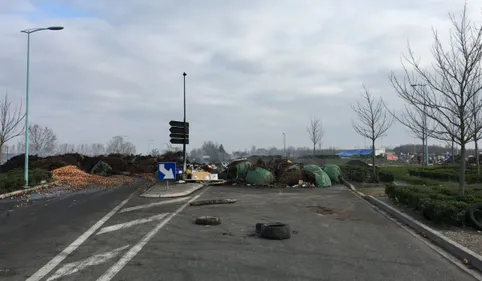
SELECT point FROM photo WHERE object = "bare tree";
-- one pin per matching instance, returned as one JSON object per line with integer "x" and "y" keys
{"x": 119, "y": 146}
{"x": 83, "y": 149}
{"x": 97, "y": 149}
{"x": 453, "y": 131}
{"x": 373, "y": 120}
{"x": 476, "y": 116}
{"x": 169, "y": 148}
{"x": 42, "y": 139}
{"x": 416, "y": 123}
{"x": 155, "y": 152}
{"x": 454, "y": 81}
{"x": 65, "y": 148}
{"x": 315, "y": 132}
{"x": 10, "y": 122}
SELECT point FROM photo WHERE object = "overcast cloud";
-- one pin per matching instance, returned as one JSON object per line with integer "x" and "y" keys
{"x": 255, "y": 69}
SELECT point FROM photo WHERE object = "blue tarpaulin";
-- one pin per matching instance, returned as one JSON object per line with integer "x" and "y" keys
{"x": 355, "y": 152}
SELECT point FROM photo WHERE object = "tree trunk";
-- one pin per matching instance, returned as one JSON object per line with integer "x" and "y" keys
{"x": 453, "y": 153}
{"x": 424, "y": 139}
{"x": 314, "y": 149}
{"x": 462, "y": 170}
{"x": 477, "y": 163}
{"x": 373, "y": 159}
{"x": 2, "y": 145}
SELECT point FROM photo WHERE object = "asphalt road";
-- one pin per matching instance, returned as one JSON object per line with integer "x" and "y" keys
{"x": 114, "y": 234}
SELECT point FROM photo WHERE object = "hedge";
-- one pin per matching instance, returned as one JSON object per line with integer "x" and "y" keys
{"x": 438, "y": 204}
{"x": 446, "y": 173}
{"x": 365, "y": 174}
{"x": 14, "y": 179}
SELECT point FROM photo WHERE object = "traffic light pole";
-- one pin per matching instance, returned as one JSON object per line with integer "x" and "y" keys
{"x": 185, "y": 130}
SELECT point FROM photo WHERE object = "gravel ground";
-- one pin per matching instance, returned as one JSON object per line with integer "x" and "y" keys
{"x": 471, "y": 239}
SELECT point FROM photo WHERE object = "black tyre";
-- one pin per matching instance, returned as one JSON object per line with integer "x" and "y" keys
{"x": 471, "y": 212}
{"x": 207, "y": 220}
{"x": 259, "y": 225}
{"x": 275, "y": 231}
{"x": 213, "y": 202}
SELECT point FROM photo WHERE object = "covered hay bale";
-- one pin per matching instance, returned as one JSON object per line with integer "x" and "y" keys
{"x": 259, "y": 176}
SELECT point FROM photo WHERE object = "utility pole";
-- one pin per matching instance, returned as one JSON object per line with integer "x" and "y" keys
{"x": 185, "y": 129}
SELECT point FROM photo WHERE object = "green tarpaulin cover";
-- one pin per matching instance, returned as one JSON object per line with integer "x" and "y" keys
{"x": 322, "y": 179}
{"x": 259, "y": 176}
{"x": 238, "y": 170}
{"x": 333, "y": 171}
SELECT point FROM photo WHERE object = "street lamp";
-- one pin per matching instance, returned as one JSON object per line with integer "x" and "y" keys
{"x": 425, "y": 129}
{"x": 284, "y": 144}
{"x": 185, "y": 128}
{"x": 28, "y": 32}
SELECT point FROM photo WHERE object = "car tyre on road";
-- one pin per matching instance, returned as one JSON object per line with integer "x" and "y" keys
{"x": 212, "y": 202}
{"x": 472, "y": 214}
{"x": 207, "y": 220}
{"x": 274, "y": 231}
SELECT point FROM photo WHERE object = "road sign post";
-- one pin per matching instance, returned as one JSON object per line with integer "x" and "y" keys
{"x": 166, "y": 171}
{"x": 179, "y": 134}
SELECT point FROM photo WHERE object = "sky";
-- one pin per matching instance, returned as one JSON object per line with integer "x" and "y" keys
{"x": 255, "y": 68}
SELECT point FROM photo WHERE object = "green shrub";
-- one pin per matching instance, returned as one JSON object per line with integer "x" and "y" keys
{"x": 385, "y": 176}
{"x": 451, "y": 212}
{"x": 438, "y": 204}
{"x": 446, "y": 173}
{"x": 396, "y": 171}
{"x": 419, "y": 181}
{"x": 365, "y": 174}
{"x": 14, "y": 179}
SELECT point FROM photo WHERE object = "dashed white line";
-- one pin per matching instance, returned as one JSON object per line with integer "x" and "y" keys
{"x": 135, "y": 208}
{"x": 114, "y": 269}
{"x": 131, "y": 223}
{"x": 77, "y": 266}
{"x": 74, "y": 245}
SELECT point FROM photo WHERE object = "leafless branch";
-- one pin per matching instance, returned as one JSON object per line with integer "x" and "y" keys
{"x": 119, "y": 146}
{"x": 453, "y": 84}
{"x": 10, "y": 121}
{"x": 373, "y": 120}
{"x": 315, "y": 132}
{"x": 42, "y": 139}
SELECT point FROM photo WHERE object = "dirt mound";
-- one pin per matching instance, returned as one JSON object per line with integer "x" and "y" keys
{"x": 291, "y": 177}
{"x": 260, "y": 163}
{"x": 76, "y": 178}
{"x": 119, "y": 163}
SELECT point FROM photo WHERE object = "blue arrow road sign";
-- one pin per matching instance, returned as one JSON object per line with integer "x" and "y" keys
{"x": 166, "y": 171}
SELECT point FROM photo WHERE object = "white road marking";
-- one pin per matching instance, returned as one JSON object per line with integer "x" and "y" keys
{"x": 77, "y": 266}
{"x": 131, "y": 223}
{"x": 74, "y": 245}
{"x": 135, "y": 208}
{"x": 114, "y": 269}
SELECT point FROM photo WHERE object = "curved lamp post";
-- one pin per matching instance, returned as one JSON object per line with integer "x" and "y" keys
{"x": 28, "y": 32}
